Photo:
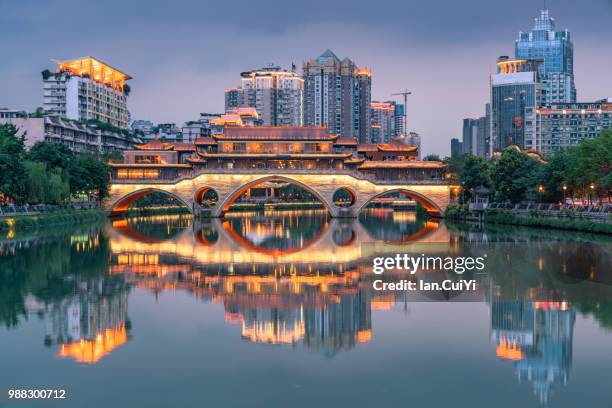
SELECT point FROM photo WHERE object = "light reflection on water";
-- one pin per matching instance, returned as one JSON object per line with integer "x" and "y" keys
{"x": 298, "y": 279}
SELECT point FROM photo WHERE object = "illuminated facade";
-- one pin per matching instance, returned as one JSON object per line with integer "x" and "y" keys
{"x": 337, "y": 94}
{"x": 275, "y": 94}
{"x": 231, "y": 161}
{"x": 556, "y": 50}
{"x": 275, "y": 148}
{"x": 516, "y": 93}
{"x": 87, "y": 89}
{"x": 383, "y": 122}
{"x": 563, "y": 125}
{"x": 90, "y": 324}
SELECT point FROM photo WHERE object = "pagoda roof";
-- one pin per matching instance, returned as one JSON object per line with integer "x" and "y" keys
{"x": 347, "y": 141}
{"x": 403, "y": 164}
{"x": 393, "y": 147}
{"x": 366, "y": 147}
{"x": 274, "y": 133}
{"x": 150, "y": 165}
{"x": 205, "y": 140}
{"x": 353, "y": 160}
{"x": 154, "y": 144}
{"x": 275, "y": 155}
{"x": 185, "y": 147}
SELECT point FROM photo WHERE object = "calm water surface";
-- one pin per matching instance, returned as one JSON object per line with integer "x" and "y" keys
{"x": 277, "y": 309}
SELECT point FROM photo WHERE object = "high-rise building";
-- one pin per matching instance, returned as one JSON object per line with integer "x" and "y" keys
{"x": 232, "y": 99}
{"x": 383, "y": 122}
{"x": 564, "y": 125}
{"x": 556, "y": 50}
{"x": 516, "y": 93}
{"x": 475, "y": 137}
{"x": 337, "y": 94}
{"x": 362, "y": 117}
{"x": 400, "y": 119}
{"x": 275, "y": 93}
{"x": 456, "y": 147}
{"x": 470, "y": 133}
{"x": 87, "y": 89}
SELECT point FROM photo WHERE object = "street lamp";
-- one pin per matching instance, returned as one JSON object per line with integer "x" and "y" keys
{"x": 592, "y": 186}
{"x": 564, "y": 194}
{"x": 541, "y": 191}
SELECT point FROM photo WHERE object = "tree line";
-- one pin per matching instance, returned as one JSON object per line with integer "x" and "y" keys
{"x": 583, "y": 171}
{"x": 47, "y": 173}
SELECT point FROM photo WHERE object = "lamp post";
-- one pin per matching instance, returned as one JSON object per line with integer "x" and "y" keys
{"x": 564, "y": 194}
{"x": 541, "y": 191}
{"x": 592, "y": 187}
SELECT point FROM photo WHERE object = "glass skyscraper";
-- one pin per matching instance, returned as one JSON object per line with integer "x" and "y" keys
{"x": 556, "y": 50}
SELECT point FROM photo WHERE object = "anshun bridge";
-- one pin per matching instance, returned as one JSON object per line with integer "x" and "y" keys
{"x": 207, "y": 176}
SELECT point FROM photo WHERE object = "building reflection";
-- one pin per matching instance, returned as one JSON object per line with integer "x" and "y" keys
{"x": 90, "y": 323}
{"x": 537, "y": 337}
{"x": 284, "y": 277}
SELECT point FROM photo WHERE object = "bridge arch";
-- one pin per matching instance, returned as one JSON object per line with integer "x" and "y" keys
{"x": 430, "y": 206}
{"x": 225, "y": 203}
{"x": 121, "y": 205}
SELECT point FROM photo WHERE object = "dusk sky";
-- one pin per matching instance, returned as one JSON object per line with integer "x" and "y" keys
{"x": 183, "y": 54}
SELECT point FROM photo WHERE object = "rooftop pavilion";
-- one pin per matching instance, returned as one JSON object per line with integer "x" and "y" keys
{"x": 96, "y": 70}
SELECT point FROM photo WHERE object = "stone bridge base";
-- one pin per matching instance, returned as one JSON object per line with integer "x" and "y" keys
{"x": 434, "y": 197}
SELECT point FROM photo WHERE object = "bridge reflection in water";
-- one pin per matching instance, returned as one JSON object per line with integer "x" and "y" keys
{"x": 285, "y": 277}
{"x": 301, "y": 277}
{"x": 304, "y": 280}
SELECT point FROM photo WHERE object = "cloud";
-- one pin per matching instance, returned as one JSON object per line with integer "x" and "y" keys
{"x": 183, "y": 54}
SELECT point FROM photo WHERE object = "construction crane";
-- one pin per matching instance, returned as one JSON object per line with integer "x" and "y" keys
{"x": 405, "y": 94}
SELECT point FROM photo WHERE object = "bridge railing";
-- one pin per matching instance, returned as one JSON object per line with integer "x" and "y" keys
{"x": 191, "y": 174}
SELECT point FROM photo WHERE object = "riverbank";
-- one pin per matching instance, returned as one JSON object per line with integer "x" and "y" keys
{"x": 499, "y": 217}
{"x": 59, "y": 217}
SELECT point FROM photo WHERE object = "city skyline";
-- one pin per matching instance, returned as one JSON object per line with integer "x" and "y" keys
{"x": 399, "y": 47}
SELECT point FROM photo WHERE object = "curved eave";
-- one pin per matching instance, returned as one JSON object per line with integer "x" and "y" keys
{"x": 425, "y": 165}
{"x": 149, "y": 166}
{"x": 274, "y": 155}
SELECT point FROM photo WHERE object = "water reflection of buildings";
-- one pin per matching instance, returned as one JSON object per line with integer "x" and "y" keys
{"x": 285, "y": 280}
{"x": 538, "y": 337}
{"x": 91, "y": 323}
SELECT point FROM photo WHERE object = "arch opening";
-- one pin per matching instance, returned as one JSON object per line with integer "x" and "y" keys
{"x": 148, "y": 198}
{"x": 207, "y": 197}
{"x": 402, "y": 199}
{"x": 344, "y": 197}
{"x": 274, "y": 190}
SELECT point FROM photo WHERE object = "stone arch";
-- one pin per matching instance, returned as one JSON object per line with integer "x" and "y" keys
{"x": 349, "y": 191}
{"x": 122, "y": 204}
{"x": 226, "y": 201}
{"x": 430, "y": 206}
{"x": 200, "y": 192}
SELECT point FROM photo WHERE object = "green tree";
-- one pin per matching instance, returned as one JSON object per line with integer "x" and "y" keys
{"x": 37, "y": 182}
{"x": 590, "y": 163}
{"x": 58, "y": 188}
{"x": 432, "y": 157}
{"x": 555, "y": 176}
{"x": 515, "y": 176}
{"x": 88, "y": 173}
{"x": 475, "y": 173}
{"x": 53, "y": 154}
{"x": 12, "y": 170}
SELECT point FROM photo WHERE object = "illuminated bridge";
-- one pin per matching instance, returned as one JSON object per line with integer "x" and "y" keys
{"x": 208, "y": 176}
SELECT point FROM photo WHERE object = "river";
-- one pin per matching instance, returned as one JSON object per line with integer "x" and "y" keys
{"x": 277, "y": 309}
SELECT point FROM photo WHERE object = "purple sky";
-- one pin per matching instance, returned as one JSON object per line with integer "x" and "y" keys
{"x": 183, "y": 54}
